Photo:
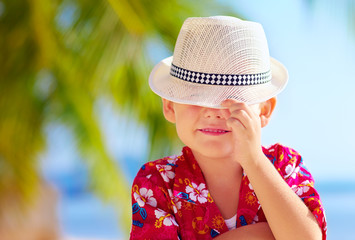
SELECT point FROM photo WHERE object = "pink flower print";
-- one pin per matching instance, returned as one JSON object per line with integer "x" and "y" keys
{"x": 175, "y": 202}
{"x": 197, "y": 193}
{"x": 302, "y": 188}
{"x": 145, "y": 196}
{"x": 291, "y": 171}
{"x": 172, "y": 159}
{"x": 165, "y": 172}
{"x": 164, "y": 218}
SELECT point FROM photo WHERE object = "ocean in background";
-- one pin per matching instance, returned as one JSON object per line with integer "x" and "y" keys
{"x": 338, "y": 199}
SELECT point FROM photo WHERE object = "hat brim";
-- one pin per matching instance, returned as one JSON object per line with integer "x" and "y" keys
{"x": 184, "y": 92}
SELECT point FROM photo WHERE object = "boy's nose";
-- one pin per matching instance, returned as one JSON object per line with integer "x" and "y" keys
{"x": 215, "y": 113}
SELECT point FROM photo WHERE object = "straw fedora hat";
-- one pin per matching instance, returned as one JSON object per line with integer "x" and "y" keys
{"x": 216, "y": 58}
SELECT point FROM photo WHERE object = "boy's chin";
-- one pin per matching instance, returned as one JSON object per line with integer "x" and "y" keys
{"x": 216, "y": 152}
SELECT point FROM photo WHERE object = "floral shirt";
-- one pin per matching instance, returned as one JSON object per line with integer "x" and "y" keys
{"x": 171, "y": 200}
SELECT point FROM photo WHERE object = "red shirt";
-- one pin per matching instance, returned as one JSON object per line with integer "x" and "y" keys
{"x": 170, "y": 199}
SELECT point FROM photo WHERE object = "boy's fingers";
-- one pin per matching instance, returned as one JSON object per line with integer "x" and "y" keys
{"x": 241, "y": 116}
{"x": 234, "y": 105}
{"x": 235, "y": 124}
{"x": 225, "y": 113}
{"x": 228, "y": 102}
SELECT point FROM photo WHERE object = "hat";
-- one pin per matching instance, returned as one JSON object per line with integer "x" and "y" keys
{"x": 217, "y": 58}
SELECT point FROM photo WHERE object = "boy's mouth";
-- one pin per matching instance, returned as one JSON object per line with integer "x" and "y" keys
{"x": 213, "y": 131}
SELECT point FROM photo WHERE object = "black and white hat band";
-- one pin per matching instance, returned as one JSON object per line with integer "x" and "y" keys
{"x": 220, "y": 79}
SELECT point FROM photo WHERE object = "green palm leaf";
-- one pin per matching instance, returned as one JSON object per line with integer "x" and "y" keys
{"x": 58, "y": 59}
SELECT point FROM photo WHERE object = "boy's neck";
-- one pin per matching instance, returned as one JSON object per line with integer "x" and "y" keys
{"x": 223, "y": 177}
{"x": 222, "y": 168}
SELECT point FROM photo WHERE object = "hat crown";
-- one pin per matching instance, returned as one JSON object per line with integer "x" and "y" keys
{"x": 222, "y": 45}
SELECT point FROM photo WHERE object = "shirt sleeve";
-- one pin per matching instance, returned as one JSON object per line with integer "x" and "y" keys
{"x": 291, "y": 166}
{"x": 152, "y": 216}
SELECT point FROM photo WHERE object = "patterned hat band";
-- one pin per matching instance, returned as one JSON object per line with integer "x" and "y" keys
{"x": 220, "y": 79}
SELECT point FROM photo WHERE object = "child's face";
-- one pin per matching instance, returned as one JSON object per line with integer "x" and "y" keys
{"x": 203, "y": 129}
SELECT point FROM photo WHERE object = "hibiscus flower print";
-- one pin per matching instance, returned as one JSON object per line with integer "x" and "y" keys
{"x": 145, "y": 196}
{"x": 291, "y": 171}
{"x": 172, "y": 160}
{"x": 302, "y": 188}
{"x": 164, "y": 218}
{"x": 165, "y": 172}
{"x": 197, "y": 193}
{"x": 175, "y": 202}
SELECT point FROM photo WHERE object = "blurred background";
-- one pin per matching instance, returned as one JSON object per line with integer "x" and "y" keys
{"x": 77, "y": 118}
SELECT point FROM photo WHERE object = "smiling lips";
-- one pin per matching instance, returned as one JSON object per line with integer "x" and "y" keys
{"x": 213, "y": 131}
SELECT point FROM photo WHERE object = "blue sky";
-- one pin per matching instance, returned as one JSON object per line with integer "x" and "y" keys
{"x": 315, "y": 112}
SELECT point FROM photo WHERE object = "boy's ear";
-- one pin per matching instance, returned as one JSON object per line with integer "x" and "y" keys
{"x": 168, "y": 110}
{"x": 266, "y": 110}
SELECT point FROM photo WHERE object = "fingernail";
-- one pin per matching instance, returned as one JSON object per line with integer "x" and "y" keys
{"x": 226, "y": 103}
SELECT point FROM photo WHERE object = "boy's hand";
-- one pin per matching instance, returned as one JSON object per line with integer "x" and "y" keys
{"x": 246, "y": 129}
{"x": 287, "y": 215}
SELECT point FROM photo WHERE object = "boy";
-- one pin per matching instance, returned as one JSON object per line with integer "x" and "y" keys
{"x": 219, "y": 90}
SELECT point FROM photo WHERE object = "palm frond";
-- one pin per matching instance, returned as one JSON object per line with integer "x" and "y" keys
{"x": 58, "y": 58}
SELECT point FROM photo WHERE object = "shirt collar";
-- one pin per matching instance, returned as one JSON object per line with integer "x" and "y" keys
{"x": 190, "y": 185}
